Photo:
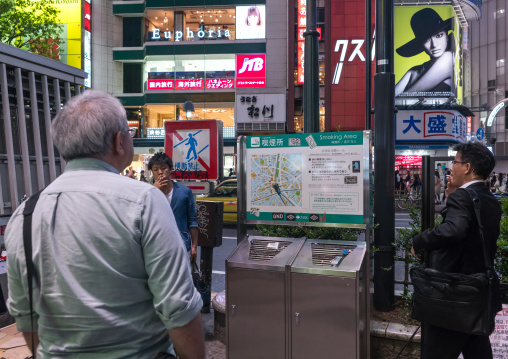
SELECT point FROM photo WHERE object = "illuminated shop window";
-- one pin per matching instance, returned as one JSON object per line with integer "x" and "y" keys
{"x": 156, "y": 115}
{"x": 187, "y": 72}
{"x": 211, "y": 23}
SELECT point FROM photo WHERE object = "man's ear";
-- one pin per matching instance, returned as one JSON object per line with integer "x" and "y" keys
{"x": 118, "y": 144}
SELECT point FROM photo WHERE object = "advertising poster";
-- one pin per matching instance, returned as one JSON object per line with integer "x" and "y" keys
{"x": 313, "y": 179}
{"x": 430, "y": 125}
{"x": 428, "y": 56}
{"x": 250, "y": 22}
{"x": 68, "y": 46}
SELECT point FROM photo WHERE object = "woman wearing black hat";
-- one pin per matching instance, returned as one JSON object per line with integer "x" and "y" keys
{"x": 431, "y": 36}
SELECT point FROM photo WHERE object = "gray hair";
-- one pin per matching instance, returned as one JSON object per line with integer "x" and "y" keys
{"x": 86, "y": 125}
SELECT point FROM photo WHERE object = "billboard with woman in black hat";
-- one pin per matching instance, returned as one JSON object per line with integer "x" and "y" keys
{"x": 425, "y": 52}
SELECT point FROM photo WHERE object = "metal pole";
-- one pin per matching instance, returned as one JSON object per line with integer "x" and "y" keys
{"x": 311, "y": 71}
{"x": 427, "y": 192}
{"x": 368, "y": 64}
{"x": 384, "y": 167}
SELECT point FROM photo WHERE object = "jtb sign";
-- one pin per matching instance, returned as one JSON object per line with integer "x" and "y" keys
{"x": 430, "y": 125}
{"x": 194, "y": 148}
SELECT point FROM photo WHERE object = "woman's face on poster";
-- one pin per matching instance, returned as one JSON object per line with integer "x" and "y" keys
{"x": 436, "y": 45}
{"x": 253, "y": 20}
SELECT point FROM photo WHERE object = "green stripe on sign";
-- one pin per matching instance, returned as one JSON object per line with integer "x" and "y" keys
{"x": 307, "y": 217}
{"x": 306, "y": 140}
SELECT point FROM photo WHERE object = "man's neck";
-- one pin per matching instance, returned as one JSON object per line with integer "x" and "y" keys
{"x": 169, "y": 188}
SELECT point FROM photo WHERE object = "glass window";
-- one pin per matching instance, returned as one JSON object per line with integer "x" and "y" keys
{"x": 210, "y": 23}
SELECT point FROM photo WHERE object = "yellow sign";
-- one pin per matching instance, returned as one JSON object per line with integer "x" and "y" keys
{"x": 428, "y": 54}
{"x": 70, "y": 17}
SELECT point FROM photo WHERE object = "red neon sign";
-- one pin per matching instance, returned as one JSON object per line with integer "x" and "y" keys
{"x": 161, "y": 84}
{"x": 190, "y": 84}
{"x": 220, "y": 83}
{"x": 253, "y": 65}
{"x": 87, "y": 16}
{"x": 253, "y": 82}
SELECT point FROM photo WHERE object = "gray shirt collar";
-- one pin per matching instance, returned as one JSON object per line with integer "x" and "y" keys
{"x": 89, "y": 164}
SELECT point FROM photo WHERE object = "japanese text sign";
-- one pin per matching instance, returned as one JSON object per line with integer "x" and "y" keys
{"x": 161, "y": 84}
{"x": 220, "y": 83}
{"x": 260, "y": 108}
{"x": 190, "y": 84}
{"x": 430, "y": 125}
{"x": 193, "y": 147}
{"x": 307, "y": 179}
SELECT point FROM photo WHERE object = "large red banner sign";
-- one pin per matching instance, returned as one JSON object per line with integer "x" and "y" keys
{"x": 347, "y": 85}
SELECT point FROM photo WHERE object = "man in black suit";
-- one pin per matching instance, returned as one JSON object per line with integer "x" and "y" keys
{"x": 455, "y": 246}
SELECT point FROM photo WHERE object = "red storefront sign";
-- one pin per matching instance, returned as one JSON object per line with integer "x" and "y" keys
{"x": 87, "y": 16}
{"x": 346, "y": 82}
{"x": 161, "y": 84}
{"x": 253, "y": 65}
{"x": 220, "y": 83}
{"x": 407, "y": 161}
{"x": 253, "y": 82}
{"x": 190, "y": 84}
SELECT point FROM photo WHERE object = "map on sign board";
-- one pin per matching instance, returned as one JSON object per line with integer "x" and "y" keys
{"x": 276, "y": 179}
{"x": 306, "y": 178}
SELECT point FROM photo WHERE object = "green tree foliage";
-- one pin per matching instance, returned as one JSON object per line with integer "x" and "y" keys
{"x": 345, "y": 234}
{"x": 501, "y": 262}
{"x": 23, "y": 22}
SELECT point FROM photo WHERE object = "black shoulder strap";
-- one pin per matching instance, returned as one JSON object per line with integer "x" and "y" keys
{"x": 477, "y": 205}
{"x": 27, "y": 243}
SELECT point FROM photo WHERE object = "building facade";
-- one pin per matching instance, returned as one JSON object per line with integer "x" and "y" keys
{"x": 228, "y": 61}
{"x": 487, "y": 53}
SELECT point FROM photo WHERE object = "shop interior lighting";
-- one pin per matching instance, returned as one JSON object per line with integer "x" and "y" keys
{"x": 165, "y": 18}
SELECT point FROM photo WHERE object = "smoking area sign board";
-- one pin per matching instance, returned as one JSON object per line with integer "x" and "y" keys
{"x": 193, "y": 146}
{"x": 315, "y": 179}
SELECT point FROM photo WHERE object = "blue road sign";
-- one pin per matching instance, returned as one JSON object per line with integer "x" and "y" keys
{"x": 480, "y": 133}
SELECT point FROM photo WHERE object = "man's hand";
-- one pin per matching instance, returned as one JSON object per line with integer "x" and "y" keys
{"x": 193, "y": 253}
{"x": 131, "y": 173}
{"x": 189, "y": 340}
{"x": 449, "y": 187}
{"x": 414, "y": 253}
{"x": 161, "y": 183}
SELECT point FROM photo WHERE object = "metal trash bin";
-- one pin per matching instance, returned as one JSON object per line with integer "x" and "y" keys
{"x": 328, "y": 303}
{"x": 256, "y": 297}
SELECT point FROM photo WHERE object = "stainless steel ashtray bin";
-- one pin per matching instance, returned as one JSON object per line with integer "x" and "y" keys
{"x": 327, "y": 301}
{"x": 256, "y": 297}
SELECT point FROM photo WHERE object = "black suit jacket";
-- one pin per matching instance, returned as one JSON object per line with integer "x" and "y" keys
{"x": 455, "y": 246}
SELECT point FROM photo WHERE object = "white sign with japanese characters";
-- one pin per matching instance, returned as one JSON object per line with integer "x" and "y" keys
{"x": 430, "y": 125}
{"x": 260, "y": 108}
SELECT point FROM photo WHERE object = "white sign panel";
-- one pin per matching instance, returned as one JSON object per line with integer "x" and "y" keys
{"x": 310, "y": 179}
{"x": 250, "y": 22}
{"x": 430, "y": 125}
{"x": 260, "y": 108}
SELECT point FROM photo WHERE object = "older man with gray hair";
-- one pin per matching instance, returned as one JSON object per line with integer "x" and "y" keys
{"x": 112, "y": 278}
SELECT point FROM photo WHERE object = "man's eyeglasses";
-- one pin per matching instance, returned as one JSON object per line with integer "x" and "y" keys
{"x": 132, "y": 132}
{"x": 455, "y": 162}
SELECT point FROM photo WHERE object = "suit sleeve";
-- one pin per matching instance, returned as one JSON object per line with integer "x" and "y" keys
{"x": 452, "y": 230}
{"x": 192, "y": 220}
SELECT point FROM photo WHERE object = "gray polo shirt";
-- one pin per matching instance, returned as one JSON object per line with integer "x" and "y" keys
{"x": 113, "y": 274}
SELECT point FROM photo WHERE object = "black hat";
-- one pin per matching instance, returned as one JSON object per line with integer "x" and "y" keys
{"x": 425, "y": 23}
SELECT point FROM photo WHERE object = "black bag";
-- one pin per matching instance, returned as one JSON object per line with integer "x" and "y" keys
{"x": 459, "y": 302}
{"x": 202, "y": 287}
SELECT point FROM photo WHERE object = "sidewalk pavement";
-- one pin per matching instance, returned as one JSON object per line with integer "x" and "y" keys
{"x": 214, "y": 348}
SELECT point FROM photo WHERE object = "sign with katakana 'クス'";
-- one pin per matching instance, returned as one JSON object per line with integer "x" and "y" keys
{"x": 430, "y": 125}
{"x": 194, "y": 148}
